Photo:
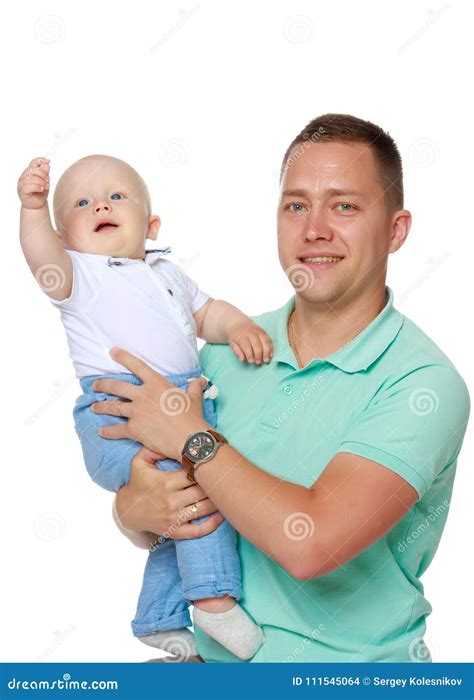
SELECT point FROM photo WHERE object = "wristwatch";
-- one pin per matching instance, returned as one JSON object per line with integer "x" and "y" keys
{"x": 200, "y": 447}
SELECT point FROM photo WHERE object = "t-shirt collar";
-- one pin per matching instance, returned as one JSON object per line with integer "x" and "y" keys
{"x": 357, "y": 355}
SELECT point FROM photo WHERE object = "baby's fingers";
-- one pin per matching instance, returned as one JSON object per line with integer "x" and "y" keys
{"x": 37, "y": 162}
{"x": 257, "y": 348}
{"x": 237, "y": 350}
{"x": 267, "y": 346}
{"x": 33, "y": 184}
{"x": 246, "y": 347}
{"x": 42, "y": 172}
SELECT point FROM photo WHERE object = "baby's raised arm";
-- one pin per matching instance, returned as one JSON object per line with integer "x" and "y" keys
{"x": 41, "y": 246}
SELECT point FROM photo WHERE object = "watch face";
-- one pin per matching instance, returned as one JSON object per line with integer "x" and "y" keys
{"x": 199, "y": 447}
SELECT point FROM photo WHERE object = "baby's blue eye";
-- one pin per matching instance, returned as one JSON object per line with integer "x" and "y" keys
{"x": 83, "y": 203}
{"x": 116, "y": 195}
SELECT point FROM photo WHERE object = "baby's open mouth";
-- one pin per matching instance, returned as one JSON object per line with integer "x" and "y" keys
{"x": 105, "y": 225}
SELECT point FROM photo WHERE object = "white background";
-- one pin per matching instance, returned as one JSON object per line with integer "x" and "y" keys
{"x": 203, "y": 99}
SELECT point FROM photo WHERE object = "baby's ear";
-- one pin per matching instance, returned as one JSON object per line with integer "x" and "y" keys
{"x": 58, "y": 234}
{"x": 154, "y": 223}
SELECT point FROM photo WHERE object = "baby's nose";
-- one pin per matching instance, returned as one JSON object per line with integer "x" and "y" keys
{"x": 101, "y": 206}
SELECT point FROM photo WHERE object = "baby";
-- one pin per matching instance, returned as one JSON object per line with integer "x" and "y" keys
{"x": 110, "y": 292}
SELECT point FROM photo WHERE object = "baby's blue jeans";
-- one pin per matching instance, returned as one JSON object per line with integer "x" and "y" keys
{"x": 177, "y": 571}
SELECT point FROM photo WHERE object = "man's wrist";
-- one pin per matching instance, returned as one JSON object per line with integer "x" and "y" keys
{"x": 200, "y": 448}
{"x": 203, "y": 467}
{"x": 198, "y": 427}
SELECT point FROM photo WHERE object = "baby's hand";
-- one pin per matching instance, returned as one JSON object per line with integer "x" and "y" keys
{"x": 250, "y": 342}
{"x": 33, "y": 185}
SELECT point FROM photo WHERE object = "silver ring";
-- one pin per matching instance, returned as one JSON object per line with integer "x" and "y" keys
{"x": 194, "y": 510}
{"x": 119, "y": 409}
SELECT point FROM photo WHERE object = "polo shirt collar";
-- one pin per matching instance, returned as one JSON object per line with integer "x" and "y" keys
{"x": 150, "y": 257}
{"x": 360, "y": 353}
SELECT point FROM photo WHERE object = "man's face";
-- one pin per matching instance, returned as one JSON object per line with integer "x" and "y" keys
{"x": 102, "y": 207}
{"x": 332, "y": 203}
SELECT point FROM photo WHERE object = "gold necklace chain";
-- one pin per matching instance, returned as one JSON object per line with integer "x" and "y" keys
{"x": 291, "y": 338}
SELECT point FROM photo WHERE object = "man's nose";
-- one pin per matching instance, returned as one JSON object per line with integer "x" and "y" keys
{"x": 101, "y": 206}
{"x": 317, "y": 227}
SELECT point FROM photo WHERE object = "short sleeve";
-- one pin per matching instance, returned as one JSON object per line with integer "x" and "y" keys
{"x": 415, "y": 427}
{"x": 84, "y": 282}
{"x": 197, "y": 296}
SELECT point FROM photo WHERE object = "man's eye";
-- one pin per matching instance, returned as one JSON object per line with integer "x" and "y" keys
{"x": 345, "y": 207}
{"x": 116, "y": 195}
{"x": 83, "y": 203}
{"x": 296, "y": 207}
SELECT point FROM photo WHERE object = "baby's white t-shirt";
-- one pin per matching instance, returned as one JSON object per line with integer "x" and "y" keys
{"x": 143, "y": 306}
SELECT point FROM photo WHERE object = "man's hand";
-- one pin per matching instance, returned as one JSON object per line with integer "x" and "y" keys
{"x": 163, "y": 502}
{"x": 33, "y": 185}
{"x": 160, "y": 415}
{"x": 250, "y": 342}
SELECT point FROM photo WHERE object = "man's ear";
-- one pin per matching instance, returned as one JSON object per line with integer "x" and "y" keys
{"x": 154, "y": 223}
{"x": 401, "y": 224}
{"x": 58, "y": 234}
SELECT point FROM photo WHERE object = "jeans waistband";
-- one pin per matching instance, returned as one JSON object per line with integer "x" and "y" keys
{"x": 177, "y": 379}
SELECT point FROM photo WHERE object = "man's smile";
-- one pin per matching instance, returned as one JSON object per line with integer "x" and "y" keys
{"x": 321, "y": 260}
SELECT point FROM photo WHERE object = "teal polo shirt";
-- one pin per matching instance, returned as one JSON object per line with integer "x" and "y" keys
{"x": 391, "y": 396}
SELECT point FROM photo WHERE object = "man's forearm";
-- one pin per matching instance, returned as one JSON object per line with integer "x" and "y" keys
{"x": 260, "y": 506}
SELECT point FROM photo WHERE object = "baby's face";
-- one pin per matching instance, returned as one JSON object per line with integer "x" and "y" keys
{"x": 102, "y": 206}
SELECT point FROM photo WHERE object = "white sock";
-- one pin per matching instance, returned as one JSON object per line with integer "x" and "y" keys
{"x": 233, "y": 629}
{"x": 177, "y": 642}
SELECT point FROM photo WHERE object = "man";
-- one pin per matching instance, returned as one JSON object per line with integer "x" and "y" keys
{"x": 341, "y": 452}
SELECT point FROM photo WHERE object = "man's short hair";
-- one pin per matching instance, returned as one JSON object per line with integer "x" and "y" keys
{"x": 345, "y": 128}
